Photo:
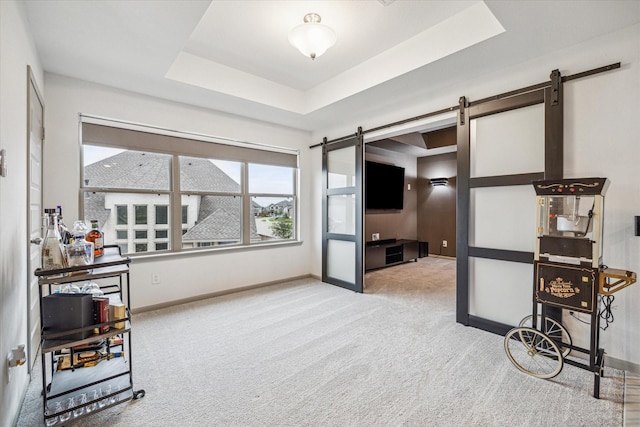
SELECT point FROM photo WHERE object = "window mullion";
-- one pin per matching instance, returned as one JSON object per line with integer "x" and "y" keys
{"x": 246, "y": 205}
{"x": 175, "y": 206}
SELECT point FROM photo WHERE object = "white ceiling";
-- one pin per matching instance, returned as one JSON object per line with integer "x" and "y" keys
{"x": 233, "y": 56}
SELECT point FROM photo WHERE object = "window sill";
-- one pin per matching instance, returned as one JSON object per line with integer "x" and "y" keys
{"x": 211, "y": 251}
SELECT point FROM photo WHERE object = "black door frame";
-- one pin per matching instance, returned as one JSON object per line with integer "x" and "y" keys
{"x": 357, "y": 190}
{"x": 552, "y": 98}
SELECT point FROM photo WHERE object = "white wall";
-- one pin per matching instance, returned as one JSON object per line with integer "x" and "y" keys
{"x": 16, "y": 52}
{"x": 181, "y": 276}
{"x": 601, "y": 139}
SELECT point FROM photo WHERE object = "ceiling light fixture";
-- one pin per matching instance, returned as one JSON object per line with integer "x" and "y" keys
{"x": 312, "y": 38}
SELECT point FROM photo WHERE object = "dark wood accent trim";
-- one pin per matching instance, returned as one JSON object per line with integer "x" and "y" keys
{"x": 325, "y": 207}
{"x": 554, "y": 130}
{"x": 340, "y": 191}
{"x": 501, "y": 254}
{"x": 591, "y": 72}
{"x": 489, "y": 325}
{"x": 359, "y": 285}
{"x": 357, "y": 238}
{"x": 462, "y": 216}
{"x": 506, "y": 104}
{"x": 337, "y": 236}
{"x": 505, "y": 180}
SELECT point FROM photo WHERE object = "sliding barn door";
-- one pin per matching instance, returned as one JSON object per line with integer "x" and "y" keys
{"x": 503, "y": 145}
{"x": 342, "y": 213}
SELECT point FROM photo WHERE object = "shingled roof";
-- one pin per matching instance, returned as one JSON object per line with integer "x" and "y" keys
{"x": 151, "y": 171}
{"x": 94, "y": 208}
{"x": 217, "y": 220}
{"x": 220, "y": 221}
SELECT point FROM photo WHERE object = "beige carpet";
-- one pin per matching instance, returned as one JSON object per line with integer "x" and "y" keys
{"x": 305, "y": 353}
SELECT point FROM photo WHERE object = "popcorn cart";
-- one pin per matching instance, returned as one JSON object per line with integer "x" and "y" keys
{"x": 568, "y": 277}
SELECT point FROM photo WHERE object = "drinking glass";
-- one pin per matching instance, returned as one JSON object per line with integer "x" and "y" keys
{"x": 94, "y": 396}
{"x": 66, "y": 415}
{"x": 80, "y": 400}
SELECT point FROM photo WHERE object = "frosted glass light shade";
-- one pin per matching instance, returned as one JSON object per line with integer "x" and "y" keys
{"x": 312, "y": 38}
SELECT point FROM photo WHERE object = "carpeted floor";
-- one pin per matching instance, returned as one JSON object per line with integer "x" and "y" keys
{"x": 305, "y": 353}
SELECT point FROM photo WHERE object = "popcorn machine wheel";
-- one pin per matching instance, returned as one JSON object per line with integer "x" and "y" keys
{"x": 568, "y": 276}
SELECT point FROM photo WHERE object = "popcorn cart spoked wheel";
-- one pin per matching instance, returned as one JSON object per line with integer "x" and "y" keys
{"x": 533, "y": 352}
{"x": 554, "y": 330}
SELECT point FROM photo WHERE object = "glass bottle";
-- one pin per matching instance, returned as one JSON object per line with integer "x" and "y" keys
{"x": 52, "y": 249}
{"x": 79, "y": 252}
{"x": 65, "y": 234}
{"x": 96, "y": 237}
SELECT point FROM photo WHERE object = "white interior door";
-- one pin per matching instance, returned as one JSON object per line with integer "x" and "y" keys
{"x": 34, "y": 201}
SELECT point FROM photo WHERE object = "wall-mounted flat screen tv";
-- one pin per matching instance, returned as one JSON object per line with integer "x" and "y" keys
{"x": 384, "y": 186}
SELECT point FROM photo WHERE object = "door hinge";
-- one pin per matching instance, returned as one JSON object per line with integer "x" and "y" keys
{"x": 42, "y": 133}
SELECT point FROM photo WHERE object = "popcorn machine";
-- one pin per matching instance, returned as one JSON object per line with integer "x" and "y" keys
{"x": 568, "y": 276}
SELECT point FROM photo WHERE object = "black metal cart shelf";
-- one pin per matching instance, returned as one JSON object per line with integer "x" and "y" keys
{"x": 106, "y": 380}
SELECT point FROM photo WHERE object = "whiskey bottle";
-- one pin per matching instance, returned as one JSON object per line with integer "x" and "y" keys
{"x": 97, "y": 237}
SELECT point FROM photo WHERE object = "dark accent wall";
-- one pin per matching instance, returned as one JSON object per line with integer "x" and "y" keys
{"x": 394, "y": 224}
{"x": 437, "y": 205}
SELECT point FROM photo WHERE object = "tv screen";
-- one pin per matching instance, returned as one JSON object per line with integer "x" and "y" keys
{"x": 384, "y": 186}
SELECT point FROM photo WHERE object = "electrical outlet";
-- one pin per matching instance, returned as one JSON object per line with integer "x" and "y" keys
{"x": 444, "y": 243}
{"x": 375, "y": 236}
{"x": 155, "y": 279}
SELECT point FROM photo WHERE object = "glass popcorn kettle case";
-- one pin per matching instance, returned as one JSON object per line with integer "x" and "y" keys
{"x": 568, "y": 250}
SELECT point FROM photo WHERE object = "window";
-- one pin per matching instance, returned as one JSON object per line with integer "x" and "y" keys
{"x": 213, "y": 192}
{"x": 141, "y": 214}
{"x": 162, "y": 214}
{"x": 185, "y": 214}
{"x": 122, "y": 215}
{"x": 272, "y": 202}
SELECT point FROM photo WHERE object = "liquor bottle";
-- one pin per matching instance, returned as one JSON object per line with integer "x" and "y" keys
{"x": 79, "y": 251}
{"x": 97, "y": 237}
{"x": 52, "y": 250}
{"x": 65, "y": 234}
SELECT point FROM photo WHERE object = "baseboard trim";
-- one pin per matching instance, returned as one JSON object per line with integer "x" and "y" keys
{"x": 216, "y": 294}
{"x": 623, "y": 365}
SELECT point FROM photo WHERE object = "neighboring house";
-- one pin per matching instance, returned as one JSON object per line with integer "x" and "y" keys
{"x": 139, "y": 222}
{"x": 283, "y": 208}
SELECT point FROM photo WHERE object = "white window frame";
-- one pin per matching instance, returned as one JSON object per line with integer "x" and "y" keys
{"x": 175, "y": 226}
